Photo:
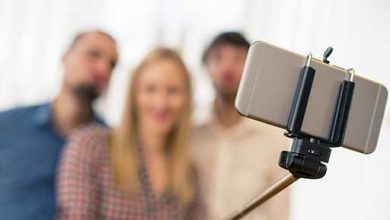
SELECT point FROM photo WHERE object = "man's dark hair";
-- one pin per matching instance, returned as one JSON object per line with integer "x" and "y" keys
{"x": 227, "y": 38}
{"x": 80, "y": 35}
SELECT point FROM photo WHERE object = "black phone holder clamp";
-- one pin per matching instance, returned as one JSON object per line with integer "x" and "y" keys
{"x": 309, "y": 153}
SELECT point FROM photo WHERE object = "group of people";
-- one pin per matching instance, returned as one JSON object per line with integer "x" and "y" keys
{"x": 59, "y": 160}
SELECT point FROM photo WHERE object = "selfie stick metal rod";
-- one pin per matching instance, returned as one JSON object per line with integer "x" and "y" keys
{"x": 265, "y": 196}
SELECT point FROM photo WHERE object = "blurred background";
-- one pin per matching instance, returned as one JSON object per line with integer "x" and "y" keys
{"x": 34, "y": 34}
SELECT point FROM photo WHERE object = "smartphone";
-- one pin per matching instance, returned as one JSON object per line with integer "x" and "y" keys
{"x": 268, "y": 85}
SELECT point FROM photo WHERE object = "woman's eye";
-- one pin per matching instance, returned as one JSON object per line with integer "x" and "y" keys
{"x": 150, "y": 89}
{"x": 173, "y": 90}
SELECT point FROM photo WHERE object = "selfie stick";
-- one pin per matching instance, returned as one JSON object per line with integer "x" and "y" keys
{"x": 308, "y": 153}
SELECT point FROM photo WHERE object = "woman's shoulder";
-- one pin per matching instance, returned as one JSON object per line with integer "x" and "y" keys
{"x": 89, "y": 139}
{"x": 90, "y": 132}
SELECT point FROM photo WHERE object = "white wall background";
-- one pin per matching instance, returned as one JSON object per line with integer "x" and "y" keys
{"x": 33, "y": 35}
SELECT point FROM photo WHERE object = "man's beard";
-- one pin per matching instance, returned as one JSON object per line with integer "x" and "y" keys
{"x": 227, "y": 96}
{"x": 85, "y": 93}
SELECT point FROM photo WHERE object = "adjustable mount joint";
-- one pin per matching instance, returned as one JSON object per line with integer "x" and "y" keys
{"x": 305, "y": 160}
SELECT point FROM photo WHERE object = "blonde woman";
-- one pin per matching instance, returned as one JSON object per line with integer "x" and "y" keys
{"x": 140, "y": 169}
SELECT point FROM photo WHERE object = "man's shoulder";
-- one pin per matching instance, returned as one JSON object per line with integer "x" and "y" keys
{"x": 202, "y": 129}
{"x": 203, "y": 137}
{"x": 19, "y": 112}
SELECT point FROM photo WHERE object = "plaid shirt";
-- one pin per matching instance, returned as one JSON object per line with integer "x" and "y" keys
{"x": 86, "y": 189}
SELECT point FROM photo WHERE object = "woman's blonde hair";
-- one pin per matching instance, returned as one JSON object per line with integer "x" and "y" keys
{"x": 124, "y": 157}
